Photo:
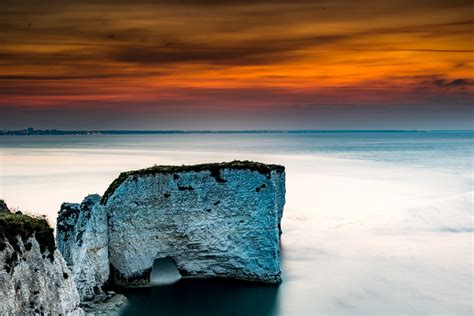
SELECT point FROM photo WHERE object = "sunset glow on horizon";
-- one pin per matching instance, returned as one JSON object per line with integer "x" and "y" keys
{"x": 236, "y": 64}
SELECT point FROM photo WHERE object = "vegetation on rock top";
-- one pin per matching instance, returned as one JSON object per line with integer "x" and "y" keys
{"x": 17, "y": 224}
{"x": 214, "y": 169}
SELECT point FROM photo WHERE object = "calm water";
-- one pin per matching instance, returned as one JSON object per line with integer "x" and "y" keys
{"x": 375, "y": 223}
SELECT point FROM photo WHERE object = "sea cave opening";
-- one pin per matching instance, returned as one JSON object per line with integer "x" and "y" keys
{"x": 164, "y": 271}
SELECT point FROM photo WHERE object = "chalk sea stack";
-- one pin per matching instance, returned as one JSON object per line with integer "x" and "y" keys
{"x": 218, "y": 220}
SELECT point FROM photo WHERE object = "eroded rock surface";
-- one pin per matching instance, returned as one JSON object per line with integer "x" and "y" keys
{"x": 108, "y": 303}
{"x": 82, "y": 238}
{"x": 34, "y": 278}
{"x": 213, "y": 220}
{"x": 224, "y": 225}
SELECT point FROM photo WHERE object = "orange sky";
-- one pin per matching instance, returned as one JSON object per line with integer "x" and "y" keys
{"x": 158, "y": 58}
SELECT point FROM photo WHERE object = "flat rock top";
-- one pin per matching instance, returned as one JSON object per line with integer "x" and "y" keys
{"x": 214, "y": 169}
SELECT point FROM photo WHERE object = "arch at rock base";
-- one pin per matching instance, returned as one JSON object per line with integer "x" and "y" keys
{"x": 164, "y": 271}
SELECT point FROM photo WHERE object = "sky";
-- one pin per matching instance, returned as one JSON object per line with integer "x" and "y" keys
{"x": 256, "y": 64}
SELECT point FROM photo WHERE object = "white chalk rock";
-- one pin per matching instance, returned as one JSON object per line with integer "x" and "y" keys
{"x": 82, "y": 238}
{"x": 214, "y": 220}
{"x": 33, "y": 282}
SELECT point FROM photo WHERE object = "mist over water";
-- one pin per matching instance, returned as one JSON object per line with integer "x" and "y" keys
{"x": 375, "y": 223}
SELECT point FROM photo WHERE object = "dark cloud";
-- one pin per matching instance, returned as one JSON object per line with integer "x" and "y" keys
{"x": 56, "y": 78}
{"x": 460, "y": 82}
{"x": 262, "y": 52}
{"x": 233, "y": 32}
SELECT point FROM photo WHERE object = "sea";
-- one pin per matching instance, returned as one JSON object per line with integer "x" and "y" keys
{"x": 375, "y": 222}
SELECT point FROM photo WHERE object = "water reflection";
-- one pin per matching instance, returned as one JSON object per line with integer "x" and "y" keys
{"x": 203, "y": 297}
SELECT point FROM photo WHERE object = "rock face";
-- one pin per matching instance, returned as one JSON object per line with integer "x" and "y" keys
{"x": 83, "y": 240}
{"x": 4, "y": 207}
{"x": 213, "y": 220}
{"x": 34, "y": 278}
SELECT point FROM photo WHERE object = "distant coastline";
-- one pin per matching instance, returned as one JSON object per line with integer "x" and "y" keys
{"x": 52, "y": 132}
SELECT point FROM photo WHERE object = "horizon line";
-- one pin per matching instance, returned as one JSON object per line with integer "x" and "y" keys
{"x": 32, "y": 131}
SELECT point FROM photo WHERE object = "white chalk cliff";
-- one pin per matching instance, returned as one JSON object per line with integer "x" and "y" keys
{"x": 34, "y": 278}
{"x": 213, "y": 220}
{"x": 81, "y": 236}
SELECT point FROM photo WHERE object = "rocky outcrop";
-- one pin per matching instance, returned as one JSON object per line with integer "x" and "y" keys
{"x": 82, "y": 238}
{"x": 34, "y": 278}
{"x": 4, "y": 207}
{"x": 213, "y": 220}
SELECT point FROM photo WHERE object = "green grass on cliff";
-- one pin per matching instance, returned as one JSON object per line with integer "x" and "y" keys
{"x": 214, "y": 168}
{"x": 17, "y": 224}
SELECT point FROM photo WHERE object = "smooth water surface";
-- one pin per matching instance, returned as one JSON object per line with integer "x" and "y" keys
{"x": 375, "y": 223}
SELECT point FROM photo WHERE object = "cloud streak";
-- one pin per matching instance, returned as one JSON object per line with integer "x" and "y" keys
{"x": 236, "y": 54}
